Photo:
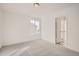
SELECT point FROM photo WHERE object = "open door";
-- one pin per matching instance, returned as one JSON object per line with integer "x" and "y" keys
{"x": 60, "y": 27}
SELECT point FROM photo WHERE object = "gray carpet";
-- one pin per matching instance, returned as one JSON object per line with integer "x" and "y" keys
{"x": 36, "y": 48}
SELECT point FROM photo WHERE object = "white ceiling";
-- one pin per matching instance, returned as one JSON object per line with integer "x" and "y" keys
{"x": 28, "y": 7}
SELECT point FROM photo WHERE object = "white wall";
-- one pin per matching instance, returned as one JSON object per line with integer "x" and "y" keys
{"x": 72, "y": 14}
{"x": 47, "y": 24}
{"x": 16, "y": 21}
{"x": 48, "y": 28}
{"x": 16, "y": 28}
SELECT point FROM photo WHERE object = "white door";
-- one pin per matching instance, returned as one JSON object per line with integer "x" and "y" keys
{"x": 60, "y": 27}
{"x": 0, "y": 29}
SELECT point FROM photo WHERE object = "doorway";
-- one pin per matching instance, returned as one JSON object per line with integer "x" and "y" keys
{"x": 35, "y": 27}
{"x": 60, "y": 30}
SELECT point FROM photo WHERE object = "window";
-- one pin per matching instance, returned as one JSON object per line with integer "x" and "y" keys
{"x": 36, "y": 25}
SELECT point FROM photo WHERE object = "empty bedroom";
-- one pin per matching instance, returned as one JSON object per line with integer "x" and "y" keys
{"x": 39, "y": 29}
